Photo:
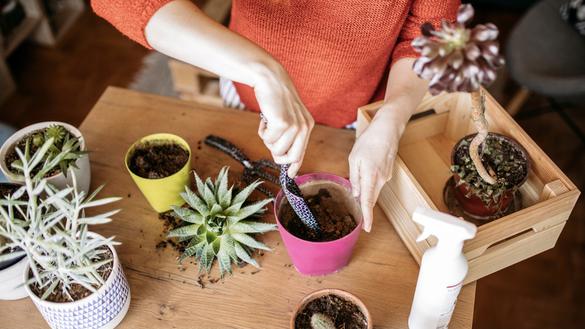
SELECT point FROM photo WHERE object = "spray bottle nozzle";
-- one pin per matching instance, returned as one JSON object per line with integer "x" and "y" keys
{"x": 443, "y": 226}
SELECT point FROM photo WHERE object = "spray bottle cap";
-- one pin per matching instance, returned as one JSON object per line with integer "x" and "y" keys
{"x": 443, "y": 226}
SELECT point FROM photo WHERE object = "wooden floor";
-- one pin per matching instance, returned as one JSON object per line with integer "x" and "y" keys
{"x": 544, "y": 292}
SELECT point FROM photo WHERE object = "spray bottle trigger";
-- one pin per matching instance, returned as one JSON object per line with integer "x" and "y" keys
{"x": 424, "y": 235}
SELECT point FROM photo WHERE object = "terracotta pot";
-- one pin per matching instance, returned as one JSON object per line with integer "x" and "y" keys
{"x": 337, "y": 292}
{"x": 321, "y": 258}
{"x": 82, "y": 172}
{"x": 473, "y": 205}
{"x": 103, "y": 309}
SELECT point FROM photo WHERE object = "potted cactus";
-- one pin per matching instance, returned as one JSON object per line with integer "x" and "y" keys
{"x": 488, "y": 168}
{"x": 72, "y": 275}
{"x": 159, "y": 165}
{"x": 219, "y": 225}
{"x": 331, "y": 309}
{"x": 66, "y": 139}
{"x": 339, "y": 220}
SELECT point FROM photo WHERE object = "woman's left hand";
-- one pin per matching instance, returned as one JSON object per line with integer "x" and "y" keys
{"x": 372, "y": 158}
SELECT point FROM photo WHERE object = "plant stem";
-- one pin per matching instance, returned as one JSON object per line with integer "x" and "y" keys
{"x": 478, "y": 117}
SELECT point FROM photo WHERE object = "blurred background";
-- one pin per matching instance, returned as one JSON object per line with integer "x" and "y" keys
{"x": 57, "y": 57}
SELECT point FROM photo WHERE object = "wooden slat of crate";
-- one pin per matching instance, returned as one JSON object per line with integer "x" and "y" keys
{"x": 422, "y": 168}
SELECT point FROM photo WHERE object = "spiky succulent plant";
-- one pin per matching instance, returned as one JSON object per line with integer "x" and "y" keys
{"x": 50, "y": 228}
{"x": 461, "y": 58}
{"x": 63, "y": 142}
{"x": 217, "y": 225}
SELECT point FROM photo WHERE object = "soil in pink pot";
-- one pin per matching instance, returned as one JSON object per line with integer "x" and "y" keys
{"x": 335, "y": 219}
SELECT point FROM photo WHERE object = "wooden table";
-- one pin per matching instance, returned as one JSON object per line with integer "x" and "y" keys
{"x": 382, "y": 272}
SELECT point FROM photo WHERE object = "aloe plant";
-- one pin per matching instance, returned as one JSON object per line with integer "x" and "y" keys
{"x": 50, "y": 227}
{"x": 217, "y": 225}
{"x": 64, "y": 144}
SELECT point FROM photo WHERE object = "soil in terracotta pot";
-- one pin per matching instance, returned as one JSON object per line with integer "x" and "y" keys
{"x": 501, "y": 158}
{"x": 76, "y": 291}
{"x": 12, "y": 156}
{"x": 157, "y": 160}
{"x": 333, "y": 216}
{"x": 344, "y": 313}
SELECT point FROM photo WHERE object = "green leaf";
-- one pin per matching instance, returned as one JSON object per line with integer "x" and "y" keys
{"x": 184, "y": 231}
{"x": 251, "y": 227}
{"x": 193, "y": 200}
{"x": 249, "y": 241}
{"x": 187, "y": 215}
{"x": 241, "y": 197}
{"x": 226, "y": 199}
{"x": 251, "y": 209}
{"x": 221, "y": 185}
{"x": 243, "y": 255}
{"x": 209, "y": 196}
{"x": 200, "y": 184}
{"x": 206, "y": 259}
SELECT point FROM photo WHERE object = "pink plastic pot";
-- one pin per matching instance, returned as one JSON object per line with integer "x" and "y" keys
{"x": 320, "y": 258}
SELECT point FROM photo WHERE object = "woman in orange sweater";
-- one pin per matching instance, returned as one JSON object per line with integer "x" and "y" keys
{"x": 300, "y": 62}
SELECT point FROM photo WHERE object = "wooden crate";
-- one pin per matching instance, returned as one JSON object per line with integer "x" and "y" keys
{"x": 422, "y": 169}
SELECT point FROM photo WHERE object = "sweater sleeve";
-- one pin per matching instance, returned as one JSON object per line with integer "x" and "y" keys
{"x": 422, "y": 11}
{"x": 129, "y": 16}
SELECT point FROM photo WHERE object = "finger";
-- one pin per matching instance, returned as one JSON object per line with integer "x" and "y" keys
{"x": 283, "y": 145}
{"x": 367, "y": 197}
{"x": 272, "y": 132}
{"x": 354, "y": 177}
{"x": 297, "y": 149}
{"x": 262, "y": 128}
{"x": 294, "y": 169}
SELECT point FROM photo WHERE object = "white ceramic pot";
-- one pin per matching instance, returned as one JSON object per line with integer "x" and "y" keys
{"x": 11, "y": 281}
{"x": 82, "y": 172}
{"x": 104, "y": 309}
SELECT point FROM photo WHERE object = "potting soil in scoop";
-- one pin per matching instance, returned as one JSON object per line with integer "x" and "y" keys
{"x": 155, "y": 160}
{"x": 333, "y": 216}
{"x": 344, "y": 313}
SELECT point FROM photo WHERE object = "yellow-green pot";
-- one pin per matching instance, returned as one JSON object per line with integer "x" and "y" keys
{"x": 162, "y": 193}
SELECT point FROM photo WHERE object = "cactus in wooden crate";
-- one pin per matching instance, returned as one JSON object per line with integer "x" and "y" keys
{"x": 218, "y": 225}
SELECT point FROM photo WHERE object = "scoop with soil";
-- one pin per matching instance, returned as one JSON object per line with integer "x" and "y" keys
{"x": 331, "y": 309}
{"x": 159, "y": 164}
{"x": 339, "y": 217}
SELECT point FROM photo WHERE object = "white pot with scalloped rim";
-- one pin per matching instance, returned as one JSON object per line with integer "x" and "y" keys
{"x": 11, "y": 281}
{"x": 103, "y": 309}
{"x": 82, "y": 172}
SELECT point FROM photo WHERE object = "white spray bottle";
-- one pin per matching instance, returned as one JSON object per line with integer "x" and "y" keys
{"x": 442, "y": 269}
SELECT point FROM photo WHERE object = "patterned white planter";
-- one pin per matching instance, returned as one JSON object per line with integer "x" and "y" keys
{"x": 104, "y": 309}
{"x": 82, "y": 172}
{"x": 11, "y": 281}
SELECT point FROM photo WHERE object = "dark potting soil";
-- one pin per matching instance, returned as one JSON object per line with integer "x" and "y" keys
{"x": 157, "y": 160}
{"x": 76, "y": 291}
{"x": 7, "y": 189}
{"x": 344, "y": 313}
{"x": 503, "y": 159}
{"x": 333, "y": 216}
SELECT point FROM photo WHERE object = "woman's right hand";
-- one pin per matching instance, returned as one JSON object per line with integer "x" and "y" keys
{"x": 287, "y": 124}
{"x": 181, "y": 30}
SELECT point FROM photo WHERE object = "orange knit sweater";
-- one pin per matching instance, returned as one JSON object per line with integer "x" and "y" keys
{"x": 337, "y": 52}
